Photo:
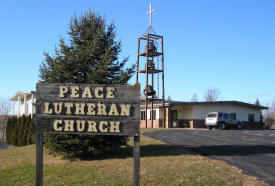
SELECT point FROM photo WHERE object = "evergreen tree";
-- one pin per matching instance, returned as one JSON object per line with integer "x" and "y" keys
{"x": 194, "y": 98}
{"x": 257, "y": 102}
{"x": 8, "y": 129}
{"x": 31, "y": 131}
{"x": 14, "y": 132}
{"x": 26, "y": 130}
{"x": 21, "y": 131}
{"x": 10, "y": 126}
{"x": 90, "y": 57}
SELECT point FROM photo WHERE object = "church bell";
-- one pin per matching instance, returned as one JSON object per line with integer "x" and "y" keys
{"x": 151, "y": 65}
{"x": 151, "y": 91}
{"x": 151, "y": 47}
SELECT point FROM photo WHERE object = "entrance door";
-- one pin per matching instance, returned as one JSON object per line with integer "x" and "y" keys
{"x": 174, "y": 118}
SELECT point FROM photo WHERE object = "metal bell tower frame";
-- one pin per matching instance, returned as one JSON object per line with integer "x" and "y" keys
{"x": 150, "y": 41}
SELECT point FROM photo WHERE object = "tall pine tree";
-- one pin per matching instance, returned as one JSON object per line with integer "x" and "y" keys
{"x": 92, "y": 56}
{"x": 194, "y": 98}
{"x": 257, "y": 102}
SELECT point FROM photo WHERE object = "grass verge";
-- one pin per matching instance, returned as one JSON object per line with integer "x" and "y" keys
{"x": 161, "y": 164}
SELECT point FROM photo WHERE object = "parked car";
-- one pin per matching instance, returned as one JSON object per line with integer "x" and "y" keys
{"x": 222, "y": 120}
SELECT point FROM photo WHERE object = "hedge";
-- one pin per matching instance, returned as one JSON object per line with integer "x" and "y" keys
{"x": 20, "y": 131}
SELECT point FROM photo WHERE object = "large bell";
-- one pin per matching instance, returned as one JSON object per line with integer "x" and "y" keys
{"x": 151, "y": 47}
{"x": 151, "y": 65}
{"x": 151, "y": 91}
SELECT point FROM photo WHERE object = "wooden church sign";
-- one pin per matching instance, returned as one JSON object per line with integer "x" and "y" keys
{"x": 87, "y": 109}
{"x": 95, "y": 109}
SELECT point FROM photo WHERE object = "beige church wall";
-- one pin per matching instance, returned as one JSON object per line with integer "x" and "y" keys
{"x": 200, "y": 111}
{"x": 160, "y": 112}
{"x": 184, "y": 112}
{"x": 242, "y": 112}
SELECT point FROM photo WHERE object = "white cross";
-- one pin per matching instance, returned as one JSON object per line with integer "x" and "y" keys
{"x": 150, "y": 12}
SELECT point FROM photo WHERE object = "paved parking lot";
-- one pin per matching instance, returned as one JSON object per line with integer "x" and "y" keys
{"x": 251, "y": 150}
{"x": 5, "y": 146}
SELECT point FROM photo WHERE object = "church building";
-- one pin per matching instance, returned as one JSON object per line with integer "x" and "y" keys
{"x": 192, "y": 114}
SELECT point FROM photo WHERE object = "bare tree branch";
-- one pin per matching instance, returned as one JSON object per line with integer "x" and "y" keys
{"x": 269, "y": 115}
{"x": 212, "y": 94}
{"x": 5, "y": 108}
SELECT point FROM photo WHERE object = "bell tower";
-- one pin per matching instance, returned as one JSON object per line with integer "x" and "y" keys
{"x": 150, "y": 62}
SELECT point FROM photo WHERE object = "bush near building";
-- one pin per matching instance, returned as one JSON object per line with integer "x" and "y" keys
{"x": 20, "y": 131}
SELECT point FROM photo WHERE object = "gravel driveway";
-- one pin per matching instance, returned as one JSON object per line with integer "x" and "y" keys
{"x": 251, "y": 150}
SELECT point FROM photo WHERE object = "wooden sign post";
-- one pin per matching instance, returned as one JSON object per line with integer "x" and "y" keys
{"x": 95, "y": 109}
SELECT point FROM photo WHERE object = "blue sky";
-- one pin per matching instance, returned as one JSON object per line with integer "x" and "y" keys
{"x": 226, "y": 44}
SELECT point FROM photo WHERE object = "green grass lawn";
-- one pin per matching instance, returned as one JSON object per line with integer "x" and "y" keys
{"x": 161, "y": 164}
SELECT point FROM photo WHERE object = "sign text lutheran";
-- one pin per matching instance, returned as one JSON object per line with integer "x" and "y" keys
{"x": 88, "y": 109}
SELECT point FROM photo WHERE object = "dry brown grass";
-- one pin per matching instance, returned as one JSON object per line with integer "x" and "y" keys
{"x": 161, "y": 164}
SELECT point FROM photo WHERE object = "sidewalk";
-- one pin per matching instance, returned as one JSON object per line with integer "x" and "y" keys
{"x": 5, "y": 146}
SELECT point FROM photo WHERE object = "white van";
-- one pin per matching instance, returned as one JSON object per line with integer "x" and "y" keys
{"x": 222, "y": 120}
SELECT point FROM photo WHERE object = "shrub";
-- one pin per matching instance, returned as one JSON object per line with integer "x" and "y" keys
{"x": 20, "y": 131}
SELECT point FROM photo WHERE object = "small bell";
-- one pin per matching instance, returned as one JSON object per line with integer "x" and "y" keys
{"x": 151, "y": 47}
{"x": 151, "y": 91}
{"x": 151, "y": 65}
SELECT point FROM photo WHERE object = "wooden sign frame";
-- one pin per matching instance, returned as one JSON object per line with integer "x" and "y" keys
{"x": 94, "y": 109}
